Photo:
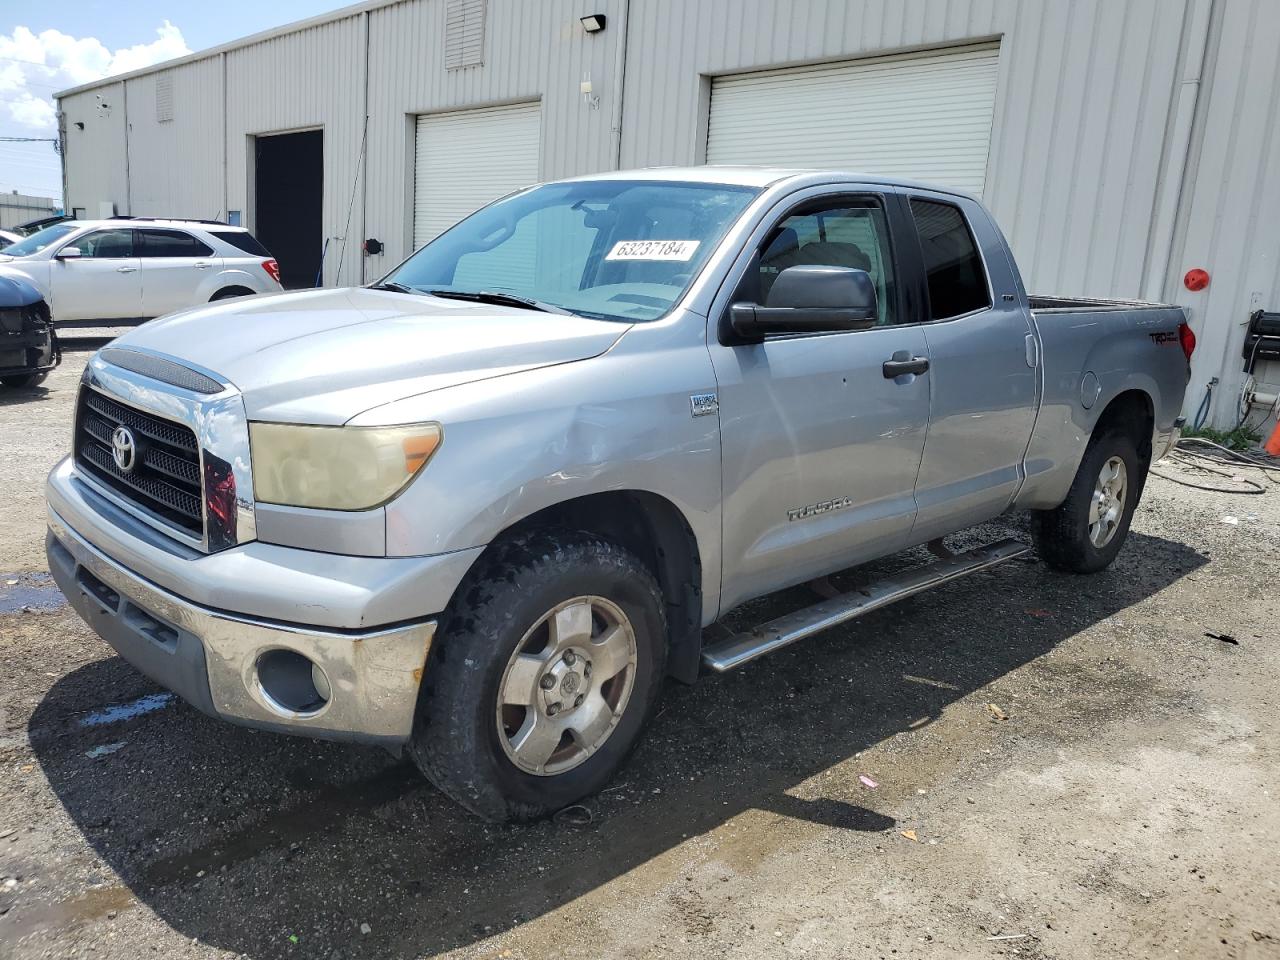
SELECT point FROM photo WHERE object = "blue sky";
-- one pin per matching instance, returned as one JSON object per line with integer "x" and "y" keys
{"x": 48, "y": 45}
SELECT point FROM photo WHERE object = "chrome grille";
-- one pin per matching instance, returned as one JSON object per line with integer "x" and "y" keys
{"x": 165, "y": 478}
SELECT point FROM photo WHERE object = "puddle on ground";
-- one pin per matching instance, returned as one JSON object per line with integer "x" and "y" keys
{"x": 127, "y": 711}
{"x": 94, "y": 904}
{"x": 35, "y": 591}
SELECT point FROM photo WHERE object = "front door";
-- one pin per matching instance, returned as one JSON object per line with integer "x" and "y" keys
{"x": 820, "y": 448}
{"x": 103, "y": 283}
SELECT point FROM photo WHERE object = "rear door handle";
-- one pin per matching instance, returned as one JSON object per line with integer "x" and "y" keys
{"x": 125, "y": 269}
{"x": 203, "y": 266}
{"x": 896, "y": 368}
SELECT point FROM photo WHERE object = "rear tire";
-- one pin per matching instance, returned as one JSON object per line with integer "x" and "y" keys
{"x": 24, "y": 381}
{"x": 1086, "y": 531}
{"x": 541, "y": 677}
{"x": 229, "y": 292}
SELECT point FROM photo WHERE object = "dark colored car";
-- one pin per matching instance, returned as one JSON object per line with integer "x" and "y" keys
{"x": 28, "y": 346}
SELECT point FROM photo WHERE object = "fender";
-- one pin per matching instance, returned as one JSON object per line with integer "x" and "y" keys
{"x": 519, "y": 444}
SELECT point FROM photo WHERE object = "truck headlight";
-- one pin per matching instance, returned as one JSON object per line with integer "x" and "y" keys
{"x": 337, "y": 468}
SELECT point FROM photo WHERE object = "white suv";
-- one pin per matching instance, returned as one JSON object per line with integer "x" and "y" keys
{"x": 131, "y": 269}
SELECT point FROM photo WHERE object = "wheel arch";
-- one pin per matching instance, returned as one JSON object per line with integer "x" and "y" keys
{"x": 1133, "y": 411}
{"x": 657, "y": 532}
{"x": 231, "y": 290}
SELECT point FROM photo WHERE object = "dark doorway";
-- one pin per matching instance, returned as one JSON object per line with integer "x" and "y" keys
{"x": 288, "y": 196}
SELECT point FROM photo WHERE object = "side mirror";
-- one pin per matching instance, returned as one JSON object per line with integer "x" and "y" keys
{"x": 810, "y": 299}
{"x": 69, "y": 253}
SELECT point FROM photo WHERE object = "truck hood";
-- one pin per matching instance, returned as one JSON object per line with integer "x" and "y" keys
{"x": 324, "y": 356}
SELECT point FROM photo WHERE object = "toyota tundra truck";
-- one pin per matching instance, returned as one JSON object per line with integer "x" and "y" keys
{"x": 480, "y": 509}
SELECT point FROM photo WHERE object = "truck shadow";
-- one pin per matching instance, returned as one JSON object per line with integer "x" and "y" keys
{"x": 243, "y": 840}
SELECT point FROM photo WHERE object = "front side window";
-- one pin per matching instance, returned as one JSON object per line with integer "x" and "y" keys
{"x": 611, "y": 249}
{"x": 839, "y": 233}
{"x": 170, "y": 243}
{"x": 953, "y": 266}
{"x": 40, "y": 239}
{"x": 106, "y": 244}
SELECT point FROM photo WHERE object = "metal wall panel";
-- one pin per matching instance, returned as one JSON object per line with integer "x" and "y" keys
{"x": 1083, "y": 94}
{"x": 18, "y": 208}
{"x": 532, "y": 51}
{"x": 176, "y": 166}
{"x": 93, "y": 160}
{"x": 313, "y": 78}
{"x": 1231, "y": 204}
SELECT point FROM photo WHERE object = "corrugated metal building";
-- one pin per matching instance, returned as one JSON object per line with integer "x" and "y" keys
{"x": 1118, "y": 143}
{"x": 16, "y": 208}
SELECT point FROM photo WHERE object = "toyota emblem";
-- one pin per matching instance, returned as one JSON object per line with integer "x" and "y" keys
{"x": 123, "y": 449}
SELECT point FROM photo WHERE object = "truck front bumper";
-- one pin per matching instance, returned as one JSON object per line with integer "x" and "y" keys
{"x": 336, "y": 681}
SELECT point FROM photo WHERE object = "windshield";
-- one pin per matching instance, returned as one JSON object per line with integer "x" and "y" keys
{"x": 40, "y": 239}
{"x": 612, "y": 249}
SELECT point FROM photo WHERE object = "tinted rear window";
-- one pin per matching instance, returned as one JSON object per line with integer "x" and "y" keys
{"x": 957, "y": 281}
{"x": 243, "y": 239}
{"x": 170, "y": 243}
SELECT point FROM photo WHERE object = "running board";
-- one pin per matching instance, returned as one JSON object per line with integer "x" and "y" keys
{"x": 786, "y": 630}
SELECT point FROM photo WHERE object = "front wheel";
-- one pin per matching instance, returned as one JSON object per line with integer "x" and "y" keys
{"x": 1086, "y": 531}
{"x": 542, "y": 678}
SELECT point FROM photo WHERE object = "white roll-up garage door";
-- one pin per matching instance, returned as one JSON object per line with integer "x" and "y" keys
{"x": 919, "y": 116}
{"x": 465, "y": 159}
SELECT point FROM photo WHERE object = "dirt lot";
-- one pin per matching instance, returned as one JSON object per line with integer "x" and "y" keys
{"x": 1063, "y": 767}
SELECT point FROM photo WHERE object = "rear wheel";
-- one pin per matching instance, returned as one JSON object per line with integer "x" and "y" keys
{"x": 24, "y": 380}
{"x": 542, "y": 678}
{"x": 1085, "y": 532}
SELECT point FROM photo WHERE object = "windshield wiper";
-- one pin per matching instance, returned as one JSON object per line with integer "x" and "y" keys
{"x": 392, "y": 285}
{"x": 501, "y": 299}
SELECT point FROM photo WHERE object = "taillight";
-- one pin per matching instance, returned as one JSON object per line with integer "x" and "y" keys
{"x": 1187, "y": 338}
{"x": 272, "y": 268}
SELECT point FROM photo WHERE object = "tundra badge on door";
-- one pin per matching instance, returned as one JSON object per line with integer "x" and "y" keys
{"x": 822, "y": 506}
{"x": 704, "y": 404}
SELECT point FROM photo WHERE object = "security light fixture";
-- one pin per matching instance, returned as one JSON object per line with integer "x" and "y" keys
{"x": 593, "y": 23}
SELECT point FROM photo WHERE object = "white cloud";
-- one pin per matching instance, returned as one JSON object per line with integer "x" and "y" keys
{"x": 33, "y": 66}
{"x": 32, "y": 112}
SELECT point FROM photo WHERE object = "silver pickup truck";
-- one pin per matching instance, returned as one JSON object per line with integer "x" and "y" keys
{"x": 481, "y": 508}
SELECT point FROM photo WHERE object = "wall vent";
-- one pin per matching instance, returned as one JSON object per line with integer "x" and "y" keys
{"x": 464, "y": 33}
{"x": 164, "y": 97}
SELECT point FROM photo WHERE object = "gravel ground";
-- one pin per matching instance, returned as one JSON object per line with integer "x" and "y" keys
{"x": 1063, "y": 767}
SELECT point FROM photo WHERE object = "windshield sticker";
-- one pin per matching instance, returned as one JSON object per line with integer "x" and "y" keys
{"x": 653, "y": 250}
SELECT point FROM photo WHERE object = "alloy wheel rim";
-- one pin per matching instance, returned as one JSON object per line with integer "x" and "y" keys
{"x": 566, "y": 685}
{"x": 1106, "y": 508}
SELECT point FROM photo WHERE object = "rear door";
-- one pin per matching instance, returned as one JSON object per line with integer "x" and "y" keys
{"x": 103, "y": 283}
{"x": 982, "y": 367}
{"x": 174, "y": 264}
{"x": 819, "y": 447}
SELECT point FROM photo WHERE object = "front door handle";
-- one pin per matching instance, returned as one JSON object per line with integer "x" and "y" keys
{"x": 203, "y": 266}
{"x": 125, "y": 269}
{"x": 896, "y": 368}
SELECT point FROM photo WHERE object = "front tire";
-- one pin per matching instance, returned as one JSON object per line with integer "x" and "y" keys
{"x": 542, "y": 676}
{"x": 1086, "y": 531}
